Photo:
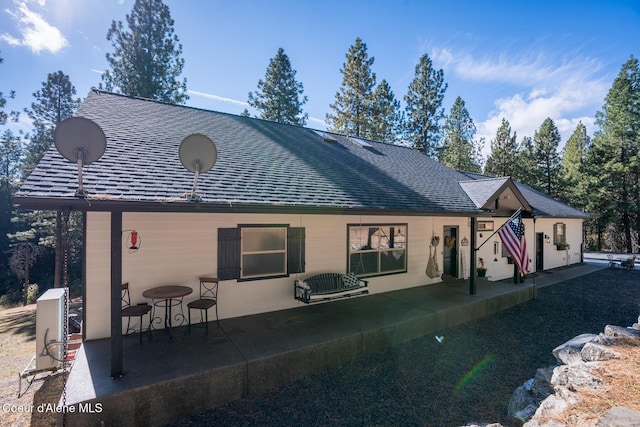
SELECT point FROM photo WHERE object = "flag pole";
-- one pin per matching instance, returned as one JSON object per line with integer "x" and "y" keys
{"x": 500, "y": 228}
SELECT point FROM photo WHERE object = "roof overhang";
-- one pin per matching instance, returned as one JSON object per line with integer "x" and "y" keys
{"x": 111, "y": 205}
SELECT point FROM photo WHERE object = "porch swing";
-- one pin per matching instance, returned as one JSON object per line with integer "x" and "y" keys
{"x": 330, "y": 286}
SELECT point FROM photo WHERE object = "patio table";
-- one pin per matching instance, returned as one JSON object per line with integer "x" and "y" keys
{"x": 167, "y": 297}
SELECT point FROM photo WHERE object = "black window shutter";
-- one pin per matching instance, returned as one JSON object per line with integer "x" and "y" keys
{"x": 228, "y": 253}
{"x": 295, "y": 250}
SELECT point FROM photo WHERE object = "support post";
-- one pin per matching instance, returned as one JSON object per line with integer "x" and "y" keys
{"x": 472, "y": 264}
{"x": 116, "y": 290}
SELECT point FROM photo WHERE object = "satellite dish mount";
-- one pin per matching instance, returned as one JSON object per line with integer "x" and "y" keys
{"x": 198, "y": 154}
{"x": 82, "y": 141}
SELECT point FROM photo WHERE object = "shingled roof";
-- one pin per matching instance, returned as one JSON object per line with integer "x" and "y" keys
{"x": 261, "y": 165}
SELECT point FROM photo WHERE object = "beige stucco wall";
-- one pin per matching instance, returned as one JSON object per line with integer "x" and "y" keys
{"x": 498, "y": 267}
{"x": 177, "y": 248}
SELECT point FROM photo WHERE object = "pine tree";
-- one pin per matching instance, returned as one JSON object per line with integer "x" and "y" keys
{"x": 573, "y": 176}
{"x": 11, "y": 151}
{"x": 504, "y": 149}
{"x": 459, "y": 150}
{"x": 613, "y": 161}
{"x": 424, "y": 109}
{"x": 526, "y": 163}
{"x": 546, "y": 141}
{"x": 54, "y": 103}
{"x": 146, "y": 61}
{"x": 278, "y": 95}
{"x": 387, "y": 118}
{"x": 10, "y": 155}
{"x": 353, "y": 106}
{"x": 4, "y": 116}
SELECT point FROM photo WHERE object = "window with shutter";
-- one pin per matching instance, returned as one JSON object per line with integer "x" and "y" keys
{"x": 251, "y": 252}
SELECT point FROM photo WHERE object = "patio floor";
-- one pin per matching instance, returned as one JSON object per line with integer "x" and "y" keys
{"x": 166, "y": 380}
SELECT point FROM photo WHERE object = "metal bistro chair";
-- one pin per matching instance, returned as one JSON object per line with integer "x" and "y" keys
{"x": 208, "y": 298}
{"x": 129, "y": 311}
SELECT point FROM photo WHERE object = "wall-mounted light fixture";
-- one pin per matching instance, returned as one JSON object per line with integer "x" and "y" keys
{"x": 547, "y": 238}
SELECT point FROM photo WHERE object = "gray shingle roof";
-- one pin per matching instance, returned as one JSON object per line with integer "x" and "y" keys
{"x": 259, "y": 164}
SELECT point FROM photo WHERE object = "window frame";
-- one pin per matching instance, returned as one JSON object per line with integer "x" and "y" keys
{"x": 253, "y": 227}
{"x": 559, "y": 238}
{"x": 378, "y": 250}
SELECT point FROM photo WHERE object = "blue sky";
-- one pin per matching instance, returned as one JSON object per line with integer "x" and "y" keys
{"x": 524, "y": 61}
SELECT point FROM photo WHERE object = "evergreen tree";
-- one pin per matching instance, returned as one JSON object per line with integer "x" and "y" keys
{"x": 504, "y": 150}
{"x": 546, "y": 141}
{"x": 10, "y": 156}
{"x": 573, "y": 176}
{"x": 146, "y": 61}
{"x": 278, "y": 96}
{"x": 459, "y": 150}
{"x": 424, "y": 109}
{"x": 614, "y": 156}
{"x": 387, "y": 120}
{"x": 353, "y": 106}
{"x": 54, "y": 103}
{"x": 526, "y": 163}
{"x": 4, "y": 116}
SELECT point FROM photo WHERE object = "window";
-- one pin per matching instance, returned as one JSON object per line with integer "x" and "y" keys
{"x": 559, "y": 233}
{"x": 252, "y": 252}
{"x": 264, "y": 252}
{"x": 377, "y": 249}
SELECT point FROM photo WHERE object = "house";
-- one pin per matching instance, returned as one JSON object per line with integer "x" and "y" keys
{"x": 281, "y": 203}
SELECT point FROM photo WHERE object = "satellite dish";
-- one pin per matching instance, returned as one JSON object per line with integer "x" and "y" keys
{"x": 198, "y": 154}
{"x": 82, "y": 141}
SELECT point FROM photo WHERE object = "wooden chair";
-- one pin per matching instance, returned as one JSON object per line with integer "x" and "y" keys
{"x": 208, "y": 298}
{"x": 129, "y": 311}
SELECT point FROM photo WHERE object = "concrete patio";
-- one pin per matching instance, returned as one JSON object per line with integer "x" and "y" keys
{"x": 169, "y": 379}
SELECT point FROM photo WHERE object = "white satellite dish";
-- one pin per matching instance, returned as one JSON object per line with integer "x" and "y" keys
{"x": 198, "y": 154}
{"x": 81, "y": 141}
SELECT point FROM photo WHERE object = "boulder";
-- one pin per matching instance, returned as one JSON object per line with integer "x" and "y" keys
{"x": 527, "y": 397}
{"x": 556, "y": 403}
{"x": 575, "y": 377}
{"x": 569, "y": 352}
{"x": 620, "y": 334}
{"x": 619, "y": 416}
{"x": 592, "y": 352}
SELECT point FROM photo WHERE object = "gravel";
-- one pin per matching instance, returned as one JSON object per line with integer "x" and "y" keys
{"x": 466, "y": 376}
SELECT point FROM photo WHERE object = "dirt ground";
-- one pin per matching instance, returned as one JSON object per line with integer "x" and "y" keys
{"x": 17, "y": 347}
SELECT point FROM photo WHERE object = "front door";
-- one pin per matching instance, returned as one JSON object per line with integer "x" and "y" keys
{"x": 450, "y": 251}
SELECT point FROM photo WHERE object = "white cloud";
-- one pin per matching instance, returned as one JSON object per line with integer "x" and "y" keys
{"x": 35, "y": 32}
{"x": 542, "y": 87}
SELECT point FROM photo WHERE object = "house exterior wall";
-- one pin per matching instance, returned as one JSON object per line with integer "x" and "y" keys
{"x": 497, "y": 265}
{"x": 177, "y": 248}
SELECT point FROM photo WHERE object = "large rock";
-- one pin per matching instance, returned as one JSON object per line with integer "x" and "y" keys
{"x": 557, "y": 403}
{"x": 619, "y": 416}
{"x": 620, "y": 334}
{"x": 526, "y": 398}
{"x": 569, "y": 352}
{"x": 592, "y": 352}
{"x": 575, "y": 377}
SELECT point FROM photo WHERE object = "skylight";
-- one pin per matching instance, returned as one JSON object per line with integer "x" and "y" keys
{"x": 325, "y": 136}
{"x": 361, "y": 142}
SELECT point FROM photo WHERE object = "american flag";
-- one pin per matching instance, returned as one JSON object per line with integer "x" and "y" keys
{"x": 512, "y": 235}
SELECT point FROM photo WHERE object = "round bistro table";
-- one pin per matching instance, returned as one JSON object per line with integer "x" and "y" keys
{"x": 167, "y": 297}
